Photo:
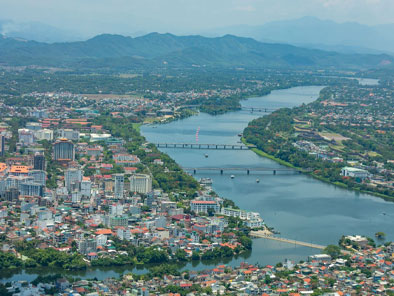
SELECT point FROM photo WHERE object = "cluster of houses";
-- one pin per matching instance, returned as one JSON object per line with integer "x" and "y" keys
{"x": 89, "y": 190}
{"x": 367, "y": 271}
{"x": 364, "y": 112}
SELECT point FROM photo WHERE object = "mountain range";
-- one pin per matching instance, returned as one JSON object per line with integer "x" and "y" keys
{"x": 311, "y": 32}
{"x": 155, "y": 50}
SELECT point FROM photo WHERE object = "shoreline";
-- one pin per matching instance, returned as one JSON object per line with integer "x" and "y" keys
{"x": 317, "y": 177}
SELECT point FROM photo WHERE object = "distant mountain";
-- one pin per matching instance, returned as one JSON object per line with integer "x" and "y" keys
{"x": 315, "y": 33}
{"x": 37, "y": 31}
{"x": 155, "y": 50}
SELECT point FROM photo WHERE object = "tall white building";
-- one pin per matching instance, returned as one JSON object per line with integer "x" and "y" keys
{"x": 141, "y": 183}
{"x": 69, "y": 134}
{"x": 86, "y": 187}
{"x": 26, "y": 137}
{"x": 119, "y": 186}
{"x": 116, "y": 210}
{"x": 44, "y": 134}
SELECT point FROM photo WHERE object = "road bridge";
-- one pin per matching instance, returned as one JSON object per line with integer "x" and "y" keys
{"x": 245, "y": 108}
{"x": 261, "y": 234}
{"x": 245, "y": 169}
{"x": 258, "y": 109}
{"x": 205, "y": 146}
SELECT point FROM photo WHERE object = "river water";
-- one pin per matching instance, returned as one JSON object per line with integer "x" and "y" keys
{"x": 298, "y": 206}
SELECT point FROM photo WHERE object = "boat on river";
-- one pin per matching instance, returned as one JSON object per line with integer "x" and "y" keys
{"x": 232, "y": 176}
{"x": 206, "y": 181}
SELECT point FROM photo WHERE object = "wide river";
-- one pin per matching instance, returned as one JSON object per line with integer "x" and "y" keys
{"x": 298, "y": 206}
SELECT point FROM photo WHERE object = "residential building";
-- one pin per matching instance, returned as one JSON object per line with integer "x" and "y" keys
{"x": 69, "y": 134}
{"x": 140, "y": 183}
{"x": 72, "y": 178}
{"x": 39, "y": 161}
{"x": 202, "y": 206}
{"x": 44, "y": 134}
{"x": 2, "y": 145}
{"x": 38, "y": 176}
{"x": 26, "y": 137}
{"x": 119, "y": 186}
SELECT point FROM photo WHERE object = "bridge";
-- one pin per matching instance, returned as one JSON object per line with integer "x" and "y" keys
{"x": 261, "y": 234}
{"x": 258, "y": 109}
{"x": 204, "y": 146}
{"x": 251, "y": 109}
{"x": 245, "y": 169}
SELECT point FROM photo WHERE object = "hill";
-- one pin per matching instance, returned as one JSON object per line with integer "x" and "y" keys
{"x": 155, "y": 50}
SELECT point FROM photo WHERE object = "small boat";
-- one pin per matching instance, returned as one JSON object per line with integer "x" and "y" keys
{"x": 206, "y": 155}
{"x": 257, "y": 180}
{"x": 206, "y": 181}
{"x": 232, "y": 176}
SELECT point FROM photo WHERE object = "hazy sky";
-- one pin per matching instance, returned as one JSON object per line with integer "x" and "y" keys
{"x": 187, "y": 16}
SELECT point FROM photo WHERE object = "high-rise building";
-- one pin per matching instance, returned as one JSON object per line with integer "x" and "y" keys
{"x": 11, "y": 194}
{"x": 2, "y": 145}
{"x": 140, "y": 183}
{"x": 31, "y": 189}
{"x": 119, "y": 186}
{"x": 39, "y": 176}
{"x": 39, "y": 161}
{"x": 86, "y": 187}
{"x": 72, "y": 179}
{"x": 63, "y": 150}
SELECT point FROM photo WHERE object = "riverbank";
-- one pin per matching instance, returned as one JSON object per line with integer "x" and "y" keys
{"x": 316, "y": 176}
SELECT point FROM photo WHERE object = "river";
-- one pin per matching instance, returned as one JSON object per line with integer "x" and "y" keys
{"x": 299, "y": 206}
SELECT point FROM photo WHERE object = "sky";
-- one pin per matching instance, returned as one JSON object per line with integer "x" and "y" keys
{"x": 186, "y": 16}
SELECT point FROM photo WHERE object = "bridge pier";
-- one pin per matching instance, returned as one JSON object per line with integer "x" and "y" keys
{"x": 221, "y": 172}
{"x": 248, "y": 172}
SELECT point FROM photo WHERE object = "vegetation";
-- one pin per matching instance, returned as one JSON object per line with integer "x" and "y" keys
{"x": 278, "y": 135}
{"x": 108, "y": 52}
